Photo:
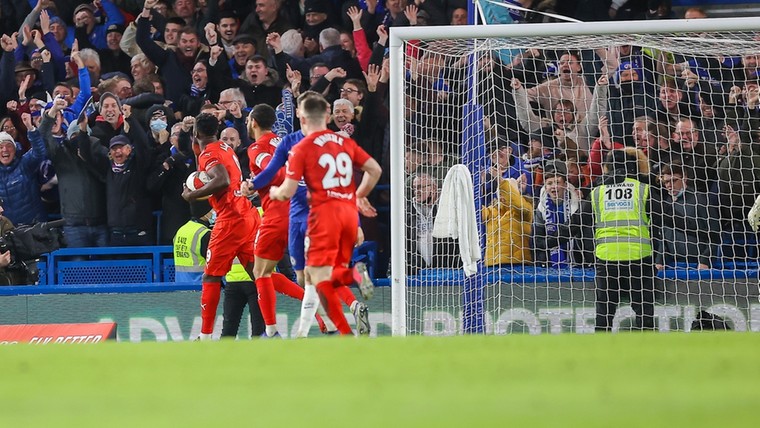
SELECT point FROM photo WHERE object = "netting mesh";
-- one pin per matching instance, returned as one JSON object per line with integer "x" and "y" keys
{"x": 612, "y": 177}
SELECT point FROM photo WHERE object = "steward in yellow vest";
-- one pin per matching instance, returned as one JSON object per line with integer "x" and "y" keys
{"x": 190, "y": 244}
{"x": 624, "y": 264}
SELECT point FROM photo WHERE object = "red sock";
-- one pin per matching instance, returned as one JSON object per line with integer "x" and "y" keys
{"x": 287, "y": 287}
{"x": 346, "y": 295}
{"x": 267, "y": 300}
{"x": 210, "y": 292}
{"x": 333, "y": 307}
{"x": 343, "y": 275}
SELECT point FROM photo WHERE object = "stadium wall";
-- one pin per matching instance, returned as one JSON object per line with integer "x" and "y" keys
{"x": 564, "y": 307}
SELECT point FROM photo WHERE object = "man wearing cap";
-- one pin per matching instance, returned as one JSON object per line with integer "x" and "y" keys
{"x": 21, "y": 189}
{"x": 83, "y": 201}
{"x": 125, "y": 168}
{"x": 113, "y": 58}
{"x": 244, "y": 47}
{"x": 86, "y": 30}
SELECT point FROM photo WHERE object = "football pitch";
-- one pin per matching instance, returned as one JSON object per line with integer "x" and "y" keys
{"x": 603, "y": 380}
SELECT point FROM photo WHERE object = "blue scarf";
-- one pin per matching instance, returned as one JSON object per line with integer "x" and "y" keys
{"x": 556, "y": 215}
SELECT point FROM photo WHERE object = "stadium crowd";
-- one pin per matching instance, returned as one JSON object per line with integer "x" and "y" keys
{"x": 97, "y": 101}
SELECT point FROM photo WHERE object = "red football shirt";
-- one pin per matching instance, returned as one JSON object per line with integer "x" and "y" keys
{"x": 326, "y": 161}
{"x": 260, "y": 154}
{"x": 228, "y": 203}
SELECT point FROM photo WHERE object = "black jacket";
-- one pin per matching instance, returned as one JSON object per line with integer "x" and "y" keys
{"x": 127, "y": 199}
{"x": 82, "y": 190}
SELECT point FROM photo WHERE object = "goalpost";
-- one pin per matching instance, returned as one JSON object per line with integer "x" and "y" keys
{"x": 454, "y": 100}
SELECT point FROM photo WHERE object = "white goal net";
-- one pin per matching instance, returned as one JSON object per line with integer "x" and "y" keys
{"x": 607, "y": 173}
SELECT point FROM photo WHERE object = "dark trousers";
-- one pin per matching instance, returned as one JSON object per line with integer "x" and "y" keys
{"x": 634, "y": 278}
{"x": 85, "y": 236}
{"x": 236, "y": 296}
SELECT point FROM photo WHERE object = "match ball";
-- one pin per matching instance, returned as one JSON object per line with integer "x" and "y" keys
{"x": 196, "y": 180}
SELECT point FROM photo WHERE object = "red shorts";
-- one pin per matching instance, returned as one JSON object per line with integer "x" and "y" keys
{"x": 272, "y": 237}
{"x": 230, "y": 239}
{"x": 331, "y": 234}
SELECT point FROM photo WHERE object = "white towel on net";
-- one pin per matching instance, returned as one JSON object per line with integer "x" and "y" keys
{"x": 457, "y": 218}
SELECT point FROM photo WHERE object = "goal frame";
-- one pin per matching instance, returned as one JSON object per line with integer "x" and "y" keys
{"x": 399, "y": 35}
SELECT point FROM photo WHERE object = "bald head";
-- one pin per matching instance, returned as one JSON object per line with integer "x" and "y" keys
{"x": 231, "y": 136}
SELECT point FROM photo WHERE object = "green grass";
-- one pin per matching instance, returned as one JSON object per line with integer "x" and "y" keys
{"x": 641, "y": 380}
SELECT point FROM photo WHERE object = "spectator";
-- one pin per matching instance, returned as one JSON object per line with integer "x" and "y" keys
{"x": 268, "y": 18}
{"x": 738, "y": 184}
{"x": 670, "y": 104}
{"x": 689, "y": 227}
{"x": 316, "y": 14}
{"x": 572, "y": 132}
{"x": 331, "y": 53}
{"x": 507, "y": 225}
{"x": 697, "y": 157}
{"x": 259, "y": 84}
{"x": 18, "y": 174}
{"x": 91, "y": 60}
{"x": 83, "y": 194}
{"x": 172, "y": 163}
{"x": 197, "y": 93}
{"x": 87, "y": 31}
{"x": 292, "y": 43}
{"x": 561, "y": 233}
{"x": 459, "y": 17}
{"x": 125, "y": 169}
{"x": 421, "y": 214}
{"x": 140, "y": 67}
{"x": 113, "y": 58}
{"x": 228, "y": 27}
{"x": 244, "y": 47}
{"x": 651, "y": 138}
{"x": 570, "y": 85}
{"x": 174, "y": 65}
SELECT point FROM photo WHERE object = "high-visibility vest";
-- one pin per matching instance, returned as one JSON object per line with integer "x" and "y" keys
{"x": 621, "y": 222}
{"x": 237, "y": 273}
{"x": 189, "y": 262}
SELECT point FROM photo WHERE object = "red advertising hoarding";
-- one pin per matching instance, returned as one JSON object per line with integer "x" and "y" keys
{"x": 57, "y": 333}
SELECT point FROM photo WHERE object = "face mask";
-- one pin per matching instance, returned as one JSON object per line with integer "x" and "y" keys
{"x": 157, "y": 125}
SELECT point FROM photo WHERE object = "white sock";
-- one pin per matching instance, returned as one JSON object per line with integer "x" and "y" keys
{"x": 205, "y": 336}
{"x": 271, "y": 330}
{"x": 309, "y": 306}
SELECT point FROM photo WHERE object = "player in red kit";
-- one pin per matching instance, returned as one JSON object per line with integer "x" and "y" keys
{"x": 272, "y": 236}
{"x": 326, "y": 162}
{"x": 236, "y": 219}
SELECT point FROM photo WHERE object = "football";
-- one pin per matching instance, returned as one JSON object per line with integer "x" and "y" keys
{"x": 196, "y": 180}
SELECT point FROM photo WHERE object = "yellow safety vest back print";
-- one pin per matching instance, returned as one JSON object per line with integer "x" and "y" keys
{"x": 620, "y": 221}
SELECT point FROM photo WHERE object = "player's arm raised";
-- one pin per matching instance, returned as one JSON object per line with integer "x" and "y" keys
{"x": 372, "y": 174}
{"x": 219, "y": 180}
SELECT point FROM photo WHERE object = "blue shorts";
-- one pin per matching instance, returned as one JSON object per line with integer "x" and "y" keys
{"x": 296, "y": 243}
